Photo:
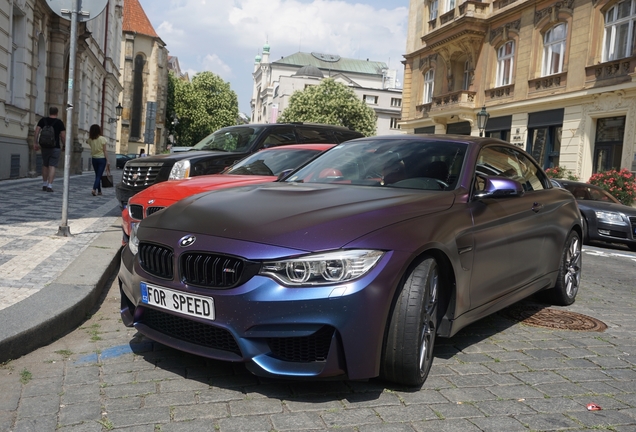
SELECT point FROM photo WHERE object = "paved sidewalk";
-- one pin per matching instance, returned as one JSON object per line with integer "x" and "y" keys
{"x": 48, "y": 283}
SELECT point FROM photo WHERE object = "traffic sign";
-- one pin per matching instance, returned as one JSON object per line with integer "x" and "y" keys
{"x": 86, "y": 9}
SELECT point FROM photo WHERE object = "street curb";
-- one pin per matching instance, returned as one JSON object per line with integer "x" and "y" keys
{"x": 65, "y": 303}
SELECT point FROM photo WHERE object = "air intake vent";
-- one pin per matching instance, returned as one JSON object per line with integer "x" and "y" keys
{"x": 190, "y": 331}
{"x": 136, "y": 211}
{"x": 304, "y": 349}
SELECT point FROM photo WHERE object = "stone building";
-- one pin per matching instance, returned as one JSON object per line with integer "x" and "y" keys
{"x": 275, "y": 81}
{"x": 556, "y": 76}
{"x": 34, "y": 60}
{"x": 144, "y": 60}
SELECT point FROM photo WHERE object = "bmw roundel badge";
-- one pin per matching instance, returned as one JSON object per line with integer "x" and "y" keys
{"x": 187, "y": 240}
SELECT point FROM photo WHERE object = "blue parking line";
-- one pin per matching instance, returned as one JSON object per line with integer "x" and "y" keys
{"x": 114, "y": 352}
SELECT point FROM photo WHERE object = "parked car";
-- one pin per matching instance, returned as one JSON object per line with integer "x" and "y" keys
{"x": 220, "y": 150}
{"x": 121, "y": 160}
{"x": 353, "y": 264}
{"x": 263, "y": 166}
{"x": 177, "y": 149}
{"x": 605, "y": 218}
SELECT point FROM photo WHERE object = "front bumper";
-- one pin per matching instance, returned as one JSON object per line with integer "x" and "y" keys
{"x": 612, "y": 233}
{"x": 276, "y": 331}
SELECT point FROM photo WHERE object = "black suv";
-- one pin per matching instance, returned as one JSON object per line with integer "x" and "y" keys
{"x": 221, "y": 149}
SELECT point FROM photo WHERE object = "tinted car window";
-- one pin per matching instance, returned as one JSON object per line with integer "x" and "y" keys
{"x": 316, "y": 135}
{"x": 342, "y": 136}
{"x": 280, "y": 136}
{"x": 232, "y": 139}
{"x": 270, "y": 163}
{"x": 509, "y": 163}
{"x": 588, "y": 193}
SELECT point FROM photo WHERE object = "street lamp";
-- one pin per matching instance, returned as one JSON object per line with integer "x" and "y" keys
{"x": 482, "y": 120}
{"x": 118, "y": 111}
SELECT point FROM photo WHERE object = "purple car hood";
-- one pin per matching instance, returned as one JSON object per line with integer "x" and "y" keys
{"x": 308, "y": 217}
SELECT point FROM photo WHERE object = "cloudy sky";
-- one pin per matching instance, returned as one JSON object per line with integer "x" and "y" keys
{"x": 224, "y": 36}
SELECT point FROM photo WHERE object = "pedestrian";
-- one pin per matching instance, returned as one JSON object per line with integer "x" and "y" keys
{"x": 142, "y": 153}
{"x": 51, "y": 144}
{"x": 97, "y": 142}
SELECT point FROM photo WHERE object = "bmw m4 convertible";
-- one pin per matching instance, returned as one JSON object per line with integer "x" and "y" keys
{"x": 353, "y": 264}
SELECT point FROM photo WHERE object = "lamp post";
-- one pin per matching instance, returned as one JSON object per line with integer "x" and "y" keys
{"x": 118, "y": 112}
{"x": 482, "y": 120}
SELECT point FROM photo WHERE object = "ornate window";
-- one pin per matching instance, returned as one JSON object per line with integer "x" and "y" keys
{"x": 429, "y": 77}
{"x": 505, "y": 61}
{"x": 432, "y": 10}
{"x": 619, "y": 31}
{"x": 554, "y": 49}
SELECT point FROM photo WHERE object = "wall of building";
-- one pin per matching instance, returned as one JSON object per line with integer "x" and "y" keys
{"x": 34, "y": 56}
{"x": 587, "y": 91}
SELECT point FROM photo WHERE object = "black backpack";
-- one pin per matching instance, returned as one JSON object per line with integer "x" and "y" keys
{"x": 47, "y": 136}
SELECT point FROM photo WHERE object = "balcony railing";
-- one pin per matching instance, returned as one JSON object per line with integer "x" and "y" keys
{"x": 502, "y": 92}
{"x": 470, "y": 8}
{"x": 458, "y": 99}
{"x": 611, "y": 72}
{"x": 552, "y": 82}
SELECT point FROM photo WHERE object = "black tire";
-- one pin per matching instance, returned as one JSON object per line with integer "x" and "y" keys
{"x": 569, "y": 278}
{"x": 408, "y": 352}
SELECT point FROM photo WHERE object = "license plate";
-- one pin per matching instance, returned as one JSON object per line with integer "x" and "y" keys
{"x": 176, "y": 301}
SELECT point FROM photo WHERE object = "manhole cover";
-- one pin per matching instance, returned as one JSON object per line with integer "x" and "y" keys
{"x": 538, "y": 316}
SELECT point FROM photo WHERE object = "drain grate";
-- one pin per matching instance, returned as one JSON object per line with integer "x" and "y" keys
{"x": 539, "y": 316}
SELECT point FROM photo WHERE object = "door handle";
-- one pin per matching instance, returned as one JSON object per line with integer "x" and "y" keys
{"x": 537, "y": 207}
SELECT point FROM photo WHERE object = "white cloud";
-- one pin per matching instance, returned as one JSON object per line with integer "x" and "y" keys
{"x": 223, "y": 36}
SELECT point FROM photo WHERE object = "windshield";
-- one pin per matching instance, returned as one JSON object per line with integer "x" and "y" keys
{"x": 590, "y": 193}
{"x": 272, "y": 162}
{"x": 428, "y": 165}
{"x": 230, "y": 139}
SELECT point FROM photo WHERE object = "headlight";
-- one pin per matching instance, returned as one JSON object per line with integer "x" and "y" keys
{"x": 133, "y": 242}
{"x": 611, "y": 217}
{"x": 180, "y": 170}
{"x": 324, "y": 268}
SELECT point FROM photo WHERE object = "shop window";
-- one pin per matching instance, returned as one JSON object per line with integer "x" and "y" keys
{"x": 545, "y": 145}
{"x": 554, "y": 49}
{"x": 608, "y": 147}
{"x": 505, "y": 61}
{"x": 619, "y": 31}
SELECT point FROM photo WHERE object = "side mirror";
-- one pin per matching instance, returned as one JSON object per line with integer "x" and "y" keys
{"x": 284, "y": 174}
{"x": 499, "y": 187}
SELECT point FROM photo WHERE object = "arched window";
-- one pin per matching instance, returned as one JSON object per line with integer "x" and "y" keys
{"x": 554, "y": 49}
{"x": 619, "y": 31}
{"x": 137, "y": 98}
{"x": 505, "y": 61}
{"x": 428, "y": 86}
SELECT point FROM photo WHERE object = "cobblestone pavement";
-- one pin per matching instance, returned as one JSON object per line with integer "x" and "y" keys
{"x": 31, "y": 253}
{"x": 495, "y": 375}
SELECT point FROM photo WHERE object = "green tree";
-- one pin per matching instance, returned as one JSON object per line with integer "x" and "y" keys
{"x": 330, "y": 103}
{"x": 201, "y": 106}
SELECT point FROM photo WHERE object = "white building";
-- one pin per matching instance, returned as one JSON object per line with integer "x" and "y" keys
{"x": 34, "y": 60}
{"x": 373, "y": 82}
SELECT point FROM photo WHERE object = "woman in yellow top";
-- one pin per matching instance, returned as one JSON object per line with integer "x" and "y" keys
{"x": 98, "y": 155}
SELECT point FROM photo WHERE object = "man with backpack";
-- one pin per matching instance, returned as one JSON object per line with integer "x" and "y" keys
{"x": 50, "y": 136}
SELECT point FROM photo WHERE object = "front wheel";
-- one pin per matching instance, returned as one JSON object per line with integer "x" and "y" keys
{"x": 408, "y": 354}
{"x": 569, "y": 278}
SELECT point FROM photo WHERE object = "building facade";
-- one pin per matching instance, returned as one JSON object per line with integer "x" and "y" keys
{"x": 371, "y": 81}
{"x": 144, "y": 77}
{"x": 556, "y": 76}
{"x": 34, "y": 75}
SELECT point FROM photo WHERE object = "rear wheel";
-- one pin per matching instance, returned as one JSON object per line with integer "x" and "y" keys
{"x": 569, "y": 279}
{"x": 408, "y": 353}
